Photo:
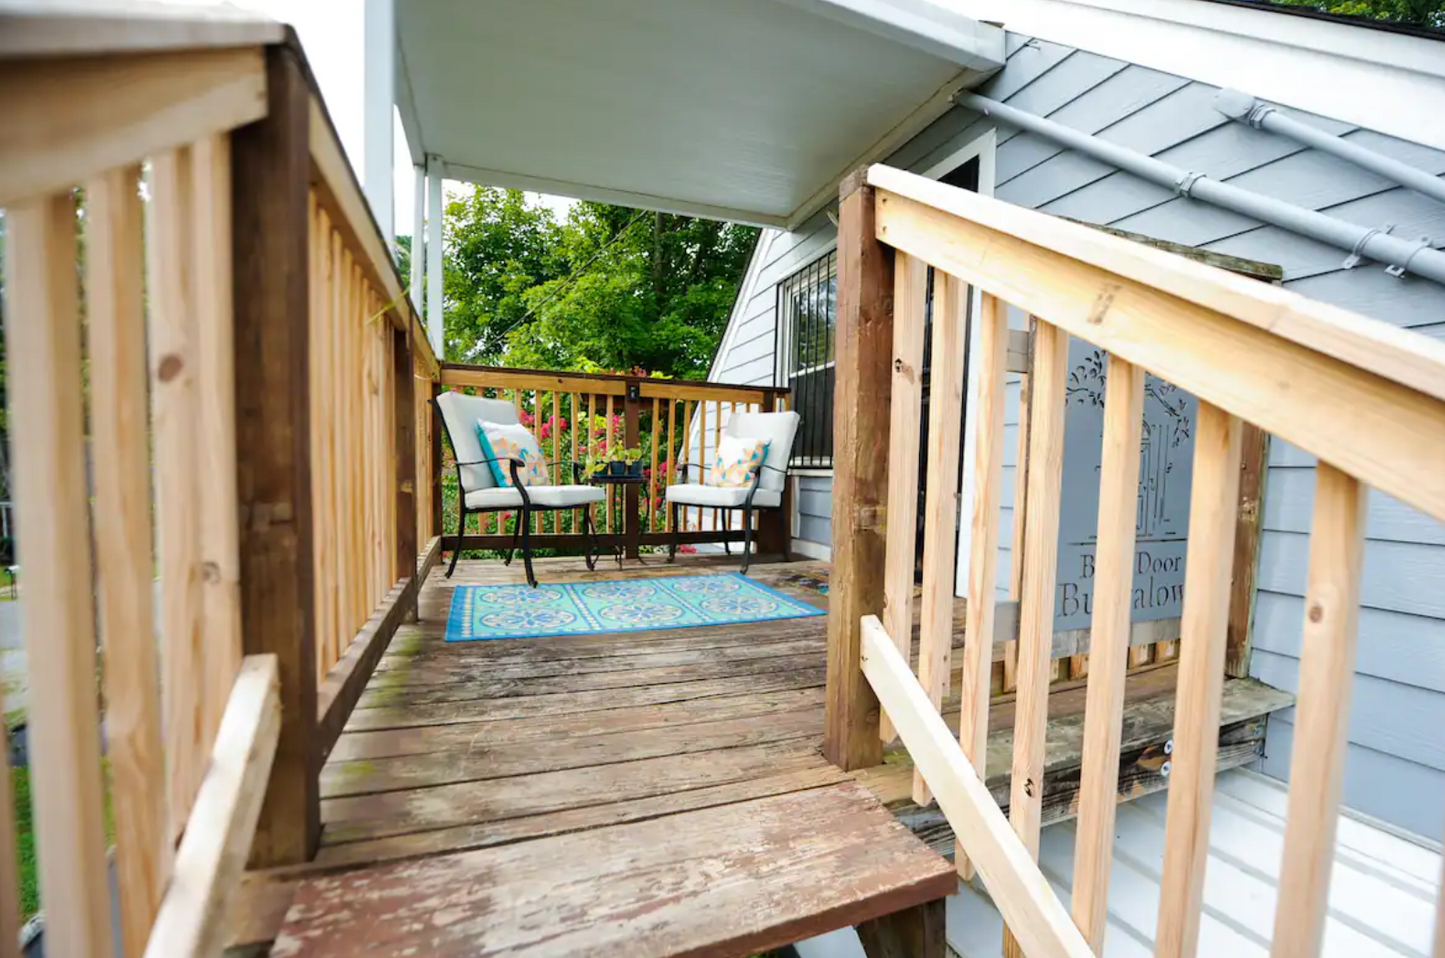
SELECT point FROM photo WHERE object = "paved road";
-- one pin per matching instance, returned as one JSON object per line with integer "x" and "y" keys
{"x": 12, "y": 658}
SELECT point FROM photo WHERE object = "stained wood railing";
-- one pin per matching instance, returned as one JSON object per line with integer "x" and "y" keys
{"x": 1367, "y": 399}
{"x": 675, "y": 425}
{"x": 214, "y": 428}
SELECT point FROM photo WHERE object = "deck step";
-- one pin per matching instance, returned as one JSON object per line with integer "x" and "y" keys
{"x": 726, "y": 881}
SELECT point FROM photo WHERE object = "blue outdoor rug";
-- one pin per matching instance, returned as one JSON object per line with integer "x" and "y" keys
{"x": 579, "y": 608}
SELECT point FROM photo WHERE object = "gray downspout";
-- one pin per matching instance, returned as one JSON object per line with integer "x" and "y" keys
{"x": 1251, "y": 112}
{"x": 1401, "y": 255}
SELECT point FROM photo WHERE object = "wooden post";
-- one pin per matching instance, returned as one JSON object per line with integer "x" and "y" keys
{"x": 270, "y": 173}
{"x": 861, "y": 401}
{"x": 1254, "y": 463}
{"x": 437, "y": 528}
{"x": 631, "y": 436}
{"x": 404, "y": 399}
{"x": 916, "y": 932}
{"x": 775, "y": 525}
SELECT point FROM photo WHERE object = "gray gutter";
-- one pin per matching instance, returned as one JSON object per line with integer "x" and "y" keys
{"x": 1414, "y": 256}
{"x": 1251, "y": 112}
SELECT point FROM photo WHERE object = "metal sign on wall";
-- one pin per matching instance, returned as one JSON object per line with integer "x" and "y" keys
{"x": 1162, "y": 512}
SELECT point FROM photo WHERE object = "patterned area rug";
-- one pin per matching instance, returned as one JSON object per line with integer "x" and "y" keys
{"x": 579, "y": 608}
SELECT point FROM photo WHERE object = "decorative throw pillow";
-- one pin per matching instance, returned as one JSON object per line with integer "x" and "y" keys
{"x": 500, "y": 443}
{"x": 737, "y": 462}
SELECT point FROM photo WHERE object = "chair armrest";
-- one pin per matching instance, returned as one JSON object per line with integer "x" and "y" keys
{"x": 685, "y": 466}
{"x": 578, "y": 479}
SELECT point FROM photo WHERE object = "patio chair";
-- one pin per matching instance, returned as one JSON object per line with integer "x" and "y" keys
{"x": 766, "y": 491}
{"x": 478, "y": 489}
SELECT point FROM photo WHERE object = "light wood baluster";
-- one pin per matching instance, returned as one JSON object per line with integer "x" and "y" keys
{"x": 608, "y": 434}
{"x": 1108, "y": 646}
{"x": 220, "y": 537}
{"x": 115, "y": 325}
{"x": 652, "y": 476}
{"x": 1039, "y": 555}
{"x": 983, "y": 543}
{"x": 1322, "y": 712}
{"x": 48, "y": 445}
{"x": 672, "y": 408}
{"x": 1213, "y": 505}
{"x": 940, "y": 510}
{"x": 174, "y": 406}
{"x": 576, "y": 425}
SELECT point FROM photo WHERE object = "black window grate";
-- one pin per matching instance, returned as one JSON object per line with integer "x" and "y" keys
{"x": 807, "y": 305}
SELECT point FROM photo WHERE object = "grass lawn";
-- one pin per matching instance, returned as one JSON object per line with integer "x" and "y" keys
{"x": 25, "y": 826}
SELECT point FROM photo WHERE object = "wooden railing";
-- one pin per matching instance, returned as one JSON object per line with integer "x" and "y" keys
{"x": 214, "y": 442}
{"x": 1366, "y": 398}
{"x": 674, "y": 424}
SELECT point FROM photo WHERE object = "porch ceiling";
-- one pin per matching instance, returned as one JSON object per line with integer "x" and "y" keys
{"x": 747, "y": 110}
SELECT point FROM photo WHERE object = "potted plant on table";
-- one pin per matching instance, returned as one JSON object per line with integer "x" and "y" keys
{"x": 633, "y": 459}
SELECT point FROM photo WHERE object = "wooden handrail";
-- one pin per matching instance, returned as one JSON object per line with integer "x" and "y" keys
{"x": 677, "y": 420}
{"x": 212, "y": 856}
{"x": 340, "y": 195}
{"x": 606, "y": 384}
{"x": 1354, "y": 391}
{"x": 1366, "y": 398}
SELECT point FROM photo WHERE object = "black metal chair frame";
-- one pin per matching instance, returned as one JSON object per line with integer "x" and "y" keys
{"x": 746, "y": 508}
{"x": 523, "y": 527}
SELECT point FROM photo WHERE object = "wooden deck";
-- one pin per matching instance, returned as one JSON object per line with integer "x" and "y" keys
{"x": 653, "y": 793}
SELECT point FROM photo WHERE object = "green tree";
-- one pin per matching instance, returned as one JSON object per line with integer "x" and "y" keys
{"x": 610, "y": 288}
{"x": 1424, "y": 13}
{"x": 497, "y": 248}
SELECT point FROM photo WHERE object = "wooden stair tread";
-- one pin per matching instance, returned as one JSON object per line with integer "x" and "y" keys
{"x": 727, "y": 881}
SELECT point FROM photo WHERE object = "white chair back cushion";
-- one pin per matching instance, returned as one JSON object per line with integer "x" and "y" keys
{"x": 779, "y": 429}
{"x": 461, "y": 413}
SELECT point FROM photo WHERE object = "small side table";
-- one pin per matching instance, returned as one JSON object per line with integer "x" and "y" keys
{"x": 618, "y": 484}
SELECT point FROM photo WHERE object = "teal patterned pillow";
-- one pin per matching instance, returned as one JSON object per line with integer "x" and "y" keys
{"x": 500, "y": 443}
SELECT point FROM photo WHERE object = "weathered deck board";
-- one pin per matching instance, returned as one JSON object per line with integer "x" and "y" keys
{"x": 418, "y": 741}
{"x": 476, "y": 763}
{"x": 750, "y": 876}
{"x": 487, "y": 834}
{"x": 420, "y": 809}
{"x": 509, "y": 686}
{"x": 564, "y": 703}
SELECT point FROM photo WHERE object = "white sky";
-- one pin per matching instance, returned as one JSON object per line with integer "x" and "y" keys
{"x": 332, "y": 33}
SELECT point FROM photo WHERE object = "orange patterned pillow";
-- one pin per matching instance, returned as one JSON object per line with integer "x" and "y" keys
{"x": 737, "y": 462}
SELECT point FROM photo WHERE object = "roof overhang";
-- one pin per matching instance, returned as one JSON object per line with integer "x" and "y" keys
{"x": 746, "y": 110}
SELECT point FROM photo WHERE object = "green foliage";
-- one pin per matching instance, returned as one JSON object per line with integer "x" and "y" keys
{"x": 25, "y": 835}
{"x": 403, "y": 263}
{"x": 1423, "y": 13}
{"x": 609, "y": 289}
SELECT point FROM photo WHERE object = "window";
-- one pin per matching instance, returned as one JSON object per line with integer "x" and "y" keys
{"x": 807, "y": 312}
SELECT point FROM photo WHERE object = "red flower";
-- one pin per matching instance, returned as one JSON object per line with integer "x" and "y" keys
{"x": 526, "y": 418}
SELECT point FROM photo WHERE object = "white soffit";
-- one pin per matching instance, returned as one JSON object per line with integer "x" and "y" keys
{"x": 747, "y": 110}
{"x": 1389, "y": 82}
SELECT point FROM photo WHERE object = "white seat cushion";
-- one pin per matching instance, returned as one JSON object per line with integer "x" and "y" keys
{"x": 722, "y": 496}
{"x": 551, "y": 496}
